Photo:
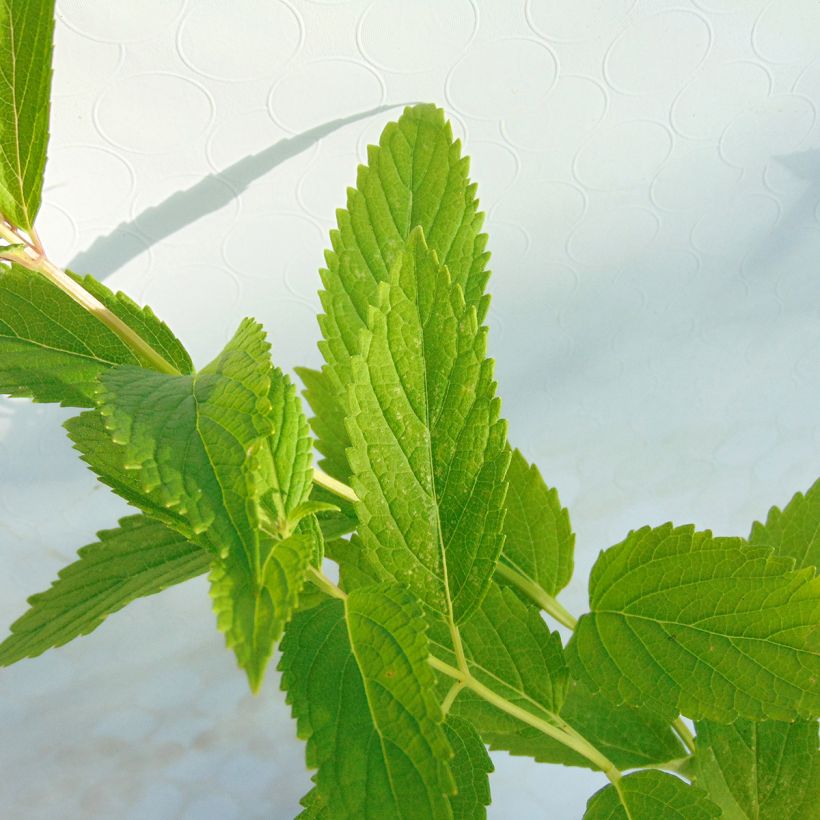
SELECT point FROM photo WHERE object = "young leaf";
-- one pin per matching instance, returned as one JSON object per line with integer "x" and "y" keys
{"x": 363, "y": 696}
{"x": 470, "y": 766}
{"x": 415, "y": 178}
{"x": 428, "y": 449}
{"x": 141, "y": 557}
{"x": 759, "y": 771}
{"x": 683, "y": 622}
{"x": 510, "y": 650}
{"x": 539, "y": 540}
{"x": 53, "y": 350}
{"x": 650, "y": 796}
{"x": 252, "y": 605}
{"x": 187, "y": 439}
{"x": 26, "y": 39}
{"x": 794, "y": 532}
{"x": 629, "y": 737}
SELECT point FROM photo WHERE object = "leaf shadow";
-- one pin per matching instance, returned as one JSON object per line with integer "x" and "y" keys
{"x": 109, "y": 253}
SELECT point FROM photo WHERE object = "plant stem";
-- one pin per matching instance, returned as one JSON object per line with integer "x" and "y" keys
{"x": 325, "y": 584}
{"x": 334, "y": 486}
{"x": 568, "y": 736}
{"x": 537, "y": 594}
{"x": 682, "y": 730}
{"x": 35, "y": 260}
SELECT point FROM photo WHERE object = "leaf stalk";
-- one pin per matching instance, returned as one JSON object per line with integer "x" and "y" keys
{"x": 538, "y": 595}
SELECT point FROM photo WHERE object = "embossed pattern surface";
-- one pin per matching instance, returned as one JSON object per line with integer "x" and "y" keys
{"x": 651, "y": 174}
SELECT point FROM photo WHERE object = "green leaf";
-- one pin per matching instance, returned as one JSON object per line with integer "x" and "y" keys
{"x": 650, "y": 796}
{"x": 26, "y": 38}
{"x": 199, "y": 453}
{"x": 328, "y": 422}
{"x": 428, "y": 449}
{"x": 683, "y": 622}
{"x": 539, "y": 540}
{"x": 629, "y": 737}
{"x": 252, "y": 607}
{"x": 415, "y": 178}
{"x": 510, "y": 650}
{"x": 759, "y": 771}
{"x": 53, "y": 350}
{"x": 141, "y": 557}
{"x": 794, "y": 532}
{"x": 363, "y": 696}
{"x": 470, "y": 766}
{"x": 315, "y": 807}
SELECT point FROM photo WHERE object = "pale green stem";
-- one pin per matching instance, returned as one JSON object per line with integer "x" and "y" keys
{"x": 334, "y": 486}
{"x": 35, "y": 260}
{"x": 537, "y": 594}
{"x": 325, "y": 584}
{"x": 451, "y": 696}
{"x": 570, "y": 738}
{"x": 684, "y": 734}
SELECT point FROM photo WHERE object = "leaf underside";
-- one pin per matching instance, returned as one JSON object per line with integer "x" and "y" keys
{"x": 141, "y": 557}
{"x": 651, "y": 795}
{"x": 357, "y": 679}
{"x": 683, "y": 622}
{"x": 53, "y": 350}
{"x": 26, "y": 41}
{"x": 471, "y": 766}
{"x": 538, "y": 538}
{"x": 759, "y": 771}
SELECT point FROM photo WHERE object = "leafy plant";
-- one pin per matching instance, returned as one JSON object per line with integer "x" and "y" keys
{"x": 449, "y": 544}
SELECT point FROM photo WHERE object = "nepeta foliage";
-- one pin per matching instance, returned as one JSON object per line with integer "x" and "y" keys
{"x": 450, "y": 546}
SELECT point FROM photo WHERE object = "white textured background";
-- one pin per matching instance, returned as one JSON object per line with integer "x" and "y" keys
{"x": 651, "y": 173}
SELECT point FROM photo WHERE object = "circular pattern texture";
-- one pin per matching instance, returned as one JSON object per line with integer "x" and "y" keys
{"x": 324, "y": 90}
{"x": 497, "y": 78}
{"x": 609, "y": 237}
{"x": 776, "y": 127}
{"x": 153, "y": 113}
{"x": 623, "y": 155}
{"x": 736, "y": 227}
{"x": 82, "y": 66}
{"x": 256, "y": 37}
{"x": 570, "y": 111}
{"x": 117, "y": 22}
{"x": 694, "y": 179}
{"x": 714, "y": 98}
{"x": 107, "y": 181}
{"x": 657, "y": 54}
{"x": 432, "y": 33}
{"x": 577, "y": 21}
{"x": 788, "y": 32}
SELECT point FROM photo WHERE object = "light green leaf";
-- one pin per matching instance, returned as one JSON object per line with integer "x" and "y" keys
{"x": 629, "y": 737}
{"x": 199, "y": 453}
{"x": 794, "y": 532}
{"x": 328, "y": 422}
{"x": 428, "y": 451}
{"x": 26, "y": 39}
{"x": 470, "y": 766}
{"x": 363, "y": 696}
{"x": 650, "y": 796}
{"x": 315, "y": 807}
{"x": 759, "y": 771}
{"x": 510, "y": 650}
{"x": 53, "y": 350}
{"x": 539, "y": 540}
{"x": 141, "y": 557}
{"x": 252, "y": 607}
{"x": 709, "y": 627}
{"x": 415, "y": 178}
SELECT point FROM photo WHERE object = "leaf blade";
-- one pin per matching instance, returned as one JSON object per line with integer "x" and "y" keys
{"x": 53, "y": 350}
{"x": 708, "y": 627}
{"x": 356, "y": 673}
{"x": 26, "y": 38}
{"x": 648, "y": 796}
{"x": 428, "y": 451}
{"x": 415, "y": 177}
{"x": 139, "y": 558}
